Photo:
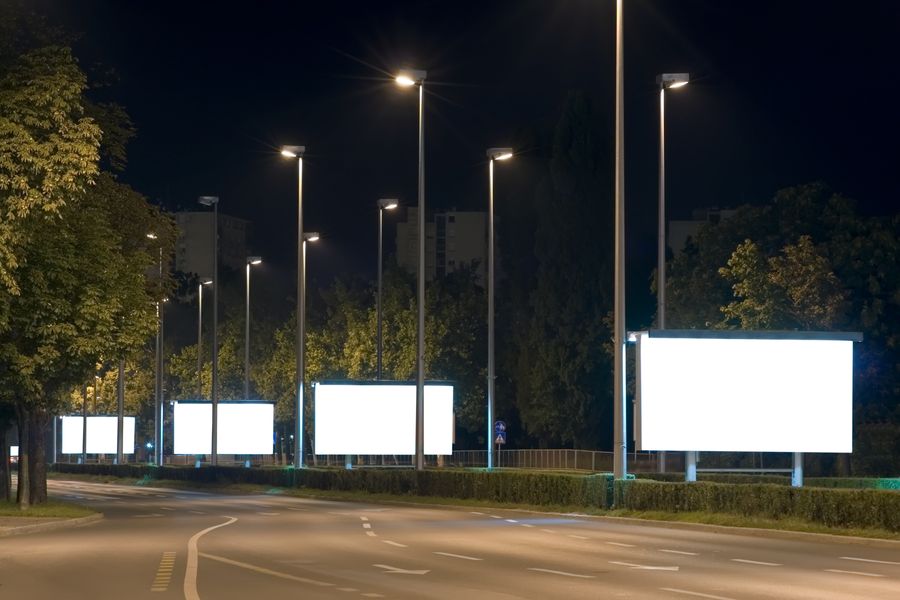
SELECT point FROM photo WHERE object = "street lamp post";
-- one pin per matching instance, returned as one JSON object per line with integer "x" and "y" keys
{"x": 308, "y": 236}
{"x": 492, "y": 154}
{"x": 620, "y": 445}
{"x": 297, "y": 152}
{"x": 251, "y": 260}
{"x": 158, "y": 402}
{"x": 214, "y": 395}
{"x": 200, "y": 335}
{"x": 665, "y": 81}
{"x": 383, "y": 205}
{"x": 409, "y": 78}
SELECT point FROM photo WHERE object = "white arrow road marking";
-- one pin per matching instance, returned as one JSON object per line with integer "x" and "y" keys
{"x": 190, "y": 572}
{"x": 462, "y": 556}
{"x": 391, "y": 570}
{"x": 695, "y": 594}
{"x": 263, "y": 570}
{"x": 563, "y": 573}
{"x": 871, "y": 560}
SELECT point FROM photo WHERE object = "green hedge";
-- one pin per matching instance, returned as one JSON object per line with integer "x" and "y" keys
{"x": 873, "y": 483}
{"x": 847, "y": 508}
{"x": 515, "y": 487}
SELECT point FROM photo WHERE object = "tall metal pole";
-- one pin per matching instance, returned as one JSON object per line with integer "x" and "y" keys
{"x": 378, "y": 297}
{"x": 247, "y": 338}
{"x": 159, "y": 450}
{"x": 420, "y": 340}
{"x": 661, "y": 236}
{"x": 157, "y": 401}
{"x": 620, "y": 465}
{"x": 200, "y": 341}
{"x": 301, "y": 333}
{"x": 490, "y": 381}
{"x": 215, "y": 340}
{"x": 84, "y": 424}
{"x": 120, "y": 421}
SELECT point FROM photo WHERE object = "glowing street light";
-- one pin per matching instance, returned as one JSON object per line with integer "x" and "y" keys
{"x": 493, "y": 154}
{"x": 407, "y": 78}
{"x": 297, "y": 152}
{"x": 383, "y": 205}
{"x": 251, "y": 261}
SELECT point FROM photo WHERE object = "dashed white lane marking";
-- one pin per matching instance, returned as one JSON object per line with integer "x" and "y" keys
{"x": 372, "y": 595}
{"x": 495, "y": 516}
{"x": 269, "y": 514}
{"x": 548, "y": 531}
{"x": 397, "y": 544}
{"x": 695, "y": 594}
{"x": 364, "y": 518}
{"x": 198, "y": 512}
{"x": 265, "y": 571}
{"x": 347, "y": 590}
{"x": 166, "y": 508}
{"x": 680, "y": 552}
{"x": 642, "y": 567}
{"x": 190, "y": 571}
{"x": 367, "y": 526}
{"x": 853, "y": 573}
{"x": 388, "y": 569}
{"x": 620, "y": 544}
{"x": 563, "y": 573}
{"x": 461, "y": 556}
{"x": 526, "y": 525}
{"x": 755, "y": 562}
{"x": 871, "y": 560}
{"x": 150, "y": 516}
{"x": 511, "y": 521}
{"x": 295, "y": 508}
{"x": 476, "y": 513}
{"x": 579, "y": 537}
{"x": 371, "y": 534}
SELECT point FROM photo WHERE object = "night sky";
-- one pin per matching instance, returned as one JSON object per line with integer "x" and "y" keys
{"x": 784, "y": 92}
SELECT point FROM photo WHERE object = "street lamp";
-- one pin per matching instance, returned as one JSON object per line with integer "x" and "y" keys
{"x": 214, "y": 202}
{"x": 158, "y": 402}
{"x": 408, "y": 78}
{"x": 308, "y": 236}
{"x": 383, "y": 205}
{"x": 493, "y": 154}
{"x": 666, "y": 81}
{"x": 200, "y": 335}
{"x": 296, "y": 152}
{"x": 620, "y": 444}
{"x": 251, "y": 260}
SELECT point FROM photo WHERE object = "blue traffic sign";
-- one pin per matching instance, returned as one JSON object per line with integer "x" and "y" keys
{"x": 499, "y": 427}
{"x": 500, "y": 437}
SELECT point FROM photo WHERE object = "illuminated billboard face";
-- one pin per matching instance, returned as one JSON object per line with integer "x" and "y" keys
{"x": 744, "y": 395}
{"x": 102, "y": 435}
{"x": 381, "y": 418}
{"x": 244, "y": 428}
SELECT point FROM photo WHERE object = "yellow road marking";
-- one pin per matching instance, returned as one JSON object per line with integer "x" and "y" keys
{"x": 163, "y": 573}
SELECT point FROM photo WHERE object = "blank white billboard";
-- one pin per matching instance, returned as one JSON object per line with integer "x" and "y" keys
{"x": 244, "y": 428}
{"x": 102, "y": 435}
{"x": 381, "y": 418}
{"x": 744, "y": 394}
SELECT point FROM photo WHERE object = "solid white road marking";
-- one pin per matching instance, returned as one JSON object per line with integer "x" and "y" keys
{"x": 397, "y": 570}
{"x": 871, "y": 560}
{"x": 679, "y": 552}
{"x": 853, "y": 573}
{"x": 620, "y": 544}
{"x": 755, "y": 562}
{"x": 642, "y": 567}
{"x": 462, "y": 556}
{"x": 397, "y": 544}
{"x": 190, "y": 572}
{"x": 579, "y": 537}
{"x": 262, "y": 570}
{"x": 695, "y": 594}
{"x": 563, "y": 573}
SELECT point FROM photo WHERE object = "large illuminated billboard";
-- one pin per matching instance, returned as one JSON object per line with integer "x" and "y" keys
{"x": 244, "y": 428}
{"x": 380, "y": 418}
{"x": 102, "y": 435}
{"x": 743, "y": 391}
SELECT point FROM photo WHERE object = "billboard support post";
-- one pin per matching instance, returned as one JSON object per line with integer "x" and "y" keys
{"x": 690, "y": 465}
{"x": 797, "y": 472}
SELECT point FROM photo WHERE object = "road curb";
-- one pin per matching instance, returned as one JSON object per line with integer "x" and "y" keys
{"x": 51, "y": 526}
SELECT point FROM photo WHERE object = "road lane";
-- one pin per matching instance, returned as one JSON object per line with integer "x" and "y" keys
{"x": 288, "y": 547}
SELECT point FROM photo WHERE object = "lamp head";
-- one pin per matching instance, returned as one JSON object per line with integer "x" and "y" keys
{"x": 254, "y": 260}
{"x": 410, "y": 77}
{"x": 293, "y": 151}
{"x": 388, "y": 203}
{"x": 673, "y": 81}
{"x": 151, "y": 236}
{"x": 499, "y": 153}
{"x": 208, "y": 200}
{"x": 206, "y": 281}
{"x": 310, "y": 236}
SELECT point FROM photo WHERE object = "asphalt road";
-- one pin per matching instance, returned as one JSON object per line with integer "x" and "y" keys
{"x": 160, "y": 544}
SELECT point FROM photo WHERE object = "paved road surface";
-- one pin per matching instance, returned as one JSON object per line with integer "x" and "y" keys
{"x": 171, "y": 544}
